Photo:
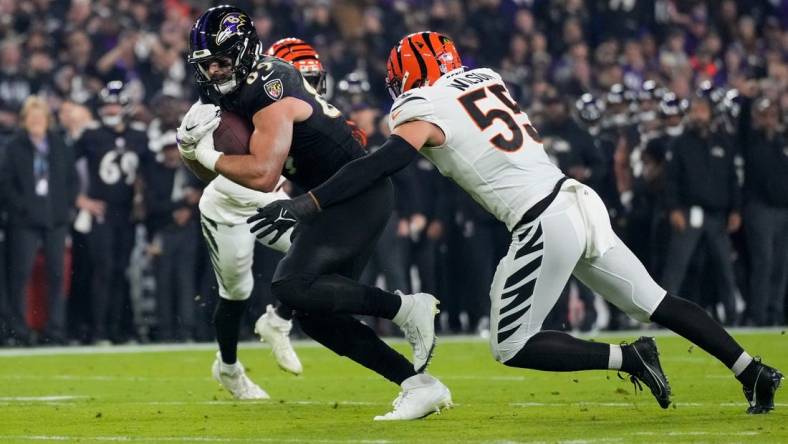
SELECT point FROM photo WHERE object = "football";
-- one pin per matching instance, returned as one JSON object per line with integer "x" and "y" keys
{"x": 232, "y": 135}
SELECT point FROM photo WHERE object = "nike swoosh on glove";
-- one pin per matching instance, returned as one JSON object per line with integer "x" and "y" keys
{"x": 281, "y": 215}
{"x": 201, "y": 120}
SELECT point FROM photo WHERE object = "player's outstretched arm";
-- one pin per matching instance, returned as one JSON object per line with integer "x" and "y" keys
{"x": 268, "y": 147}
{"x": 398, "y": 151}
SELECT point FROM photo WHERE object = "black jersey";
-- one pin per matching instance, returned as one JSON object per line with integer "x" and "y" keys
{"x": 113, "y": 162}
{"x": 321, "y": 145}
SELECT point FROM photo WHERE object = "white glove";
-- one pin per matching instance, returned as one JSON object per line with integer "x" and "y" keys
{"x": 201, "y": 120}
{"x": 187, "y": 151}
{"x": 206, "y": 154}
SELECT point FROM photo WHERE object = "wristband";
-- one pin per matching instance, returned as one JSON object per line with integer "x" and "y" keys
{"x": 208, "y": 158}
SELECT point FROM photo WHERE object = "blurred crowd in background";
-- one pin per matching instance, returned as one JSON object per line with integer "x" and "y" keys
{"x": 674, "y": 111}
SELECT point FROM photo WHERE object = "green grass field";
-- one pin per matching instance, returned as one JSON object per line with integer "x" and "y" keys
{"x": 164, "y": 396}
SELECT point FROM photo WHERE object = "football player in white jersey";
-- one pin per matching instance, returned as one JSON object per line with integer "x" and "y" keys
{"x": 467, "y": 124}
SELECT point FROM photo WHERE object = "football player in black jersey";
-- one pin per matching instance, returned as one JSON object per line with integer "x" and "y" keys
{"x": 109, "y": 157}
{"x": 301, "y": 136}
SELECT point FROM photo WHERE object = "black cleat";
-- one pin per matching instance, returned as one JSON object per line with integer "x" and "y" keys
{"x": 650, "y": 372}
{"x": 761, "y": 394}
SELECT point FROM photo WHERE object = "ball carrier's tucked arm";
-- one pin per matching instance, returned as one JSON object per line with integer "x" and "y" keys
{"x": 268, "y": 147}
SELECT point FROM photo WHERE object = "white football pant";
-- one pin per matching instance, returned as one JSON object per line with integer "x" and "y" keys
{"x": 231, "y": 248}
{"x": 572, "y": 237}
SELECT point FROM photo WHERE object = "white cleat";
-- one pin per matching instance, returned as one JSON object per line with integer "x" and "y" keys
{"x": 276, "y": 331}
{"x": 233, "y": 378}
{"x": 422, "y": 395}
{"x": 416, "y": 318}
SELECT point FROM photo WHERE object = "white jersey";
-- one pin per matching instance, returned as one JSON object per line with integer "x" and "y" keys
{"x": 490, "y": 148}
{"x": 225, "y": 202}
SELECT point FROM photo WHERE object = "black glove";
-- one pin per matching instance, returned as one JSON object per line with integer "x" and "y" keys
{"x": 281, "y": 215}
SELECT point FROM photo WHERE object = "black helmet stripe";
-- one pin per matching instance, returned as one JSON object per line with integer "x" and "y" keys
{"x": 422, "y": 65}
{"x": 292, "y": 48}
{"x": 426, "y": 37}
{"x": 399, "y": 60}
{"x": 303, "y": 57}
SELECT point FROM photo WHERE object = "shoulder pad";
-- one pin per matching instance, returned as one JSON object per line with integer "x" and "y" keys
{"x": 270, "y": 81}
{"x": 410, "y": 106}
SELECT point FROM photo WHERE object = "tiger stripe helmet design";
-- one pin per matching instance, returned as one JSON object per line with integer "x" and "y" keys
{"x": 418, "y": 60}
{"x": 304, "y": 57}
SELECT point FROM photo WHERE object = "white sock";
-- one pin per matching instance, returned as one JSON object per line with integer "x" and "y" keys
{"x": 418, "y": 380}
{"x": 404, "y": 309}
{"x": 230, "y": 368}
{"x": 616, "y": 357}
{"x": 741, "y": 363}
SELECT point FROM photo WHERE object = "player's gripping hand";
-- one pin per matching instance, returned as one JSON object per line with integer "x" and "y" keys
{"x": 281, "y": 215}
{"x": 200, "y": 121}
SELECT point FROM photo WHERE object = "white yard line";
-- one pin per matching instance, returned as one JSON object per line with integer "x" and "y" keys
{"x": 102, "y": 378}
{"x": 184, "y": 439}
{"x": 210, "y": 439}
{"x": 697, "y": 433}
{"x": 630, "y": 404}
{"x": 40, "y": 398}
{"x": 73, "y": 400}
{"x": 305, "y": 343}
{"x": 266, "y": 401}
{"x": 265, "y": 377}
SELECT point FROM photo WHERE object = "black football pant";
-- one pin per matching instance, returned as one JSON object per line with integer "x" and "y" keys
{"x": 317, "y": 278}
{"x": 24, "y": 243}
{"x": 175, "y": 282}
{"x": 5, "y": 331}
{"x": 109, "y": 247}
{"x": 683, "y": 245}
{"x": 767, "y": 237}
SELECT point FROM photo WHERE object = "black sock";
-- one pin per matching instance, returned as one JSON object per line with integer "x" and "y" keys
{"x": 629, "y": 361}
{"x": 347, "y": 336}
{"x": 227, "y": 321}
{"x": 283, "y": 311}
{"x": 748, "y": 375}
{"x": 336, "y": 294}
{"x": 559, "y": 352}
{"x": 690, "y": 321}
